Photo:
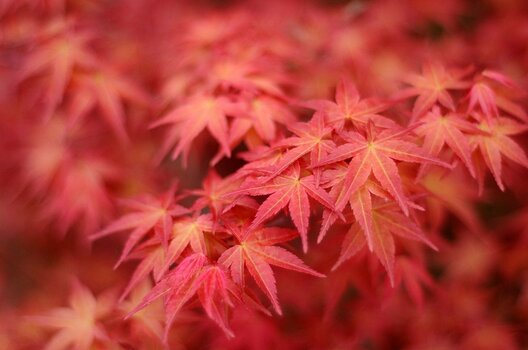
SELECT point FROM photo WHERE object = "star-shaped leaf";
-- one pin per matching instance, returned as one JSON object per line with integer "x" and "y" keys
{"x": 439, "y": 129}
{"x": 310, "y": 138}
{"x": 78, "y": 325}
{"x": 256, "y": 252}
{"x": 494, "y": 141}
{"x": 376, "y": 154}
{"x": 288, "y": 189}
{"x": 149, "y": 212}
{"x": 386, "y": 222}
{"x": 189, "y": 119}
{"x": 349, "y": 107}
{"x": 432, "y": 86}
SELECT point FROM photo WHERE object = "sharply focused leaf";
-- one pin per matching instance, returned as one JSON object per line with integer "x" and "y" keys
{"x": 255, "y": 251}
{"x": 292, "y": 190}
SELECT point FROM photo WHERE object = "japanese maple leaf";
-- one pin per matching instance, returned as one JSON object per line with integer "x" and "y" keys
{"x": 79, "y": 325}
{"x": 288, "y": 189}
{"x": 333, "y": 178}
{"x": 178, "y": 287}
{"x": 439, "y": 129}
{"x": 349, "y": 107}
{"x": 360, "y": 201}
{"x": 189, "y": 119}
{"x": 240, "y": 130}
{"x": 263, "y": 112}
{"x": 152, "y": 256}
{"x": 107, "y": 90}
{"x": 215, "y": 295}
{"x": 149, "y": 212}
{"x": 249, "y": 74}
{"x": 256, "y": 251}
{"x": 361, "y": 205}
{"x": 494, "y": 141}
{"x": 311, "y": 138}
{"x": 193, "y": 275}
{"x": 57, "y": 57}
{"x": 259, "y": 159}
{"x": 254, "y": 123}
{"x": 188, "y": 232}
{"x": 216, "y": 194}
{"x": 484, "y": 95}
{"x": 433, "y": 86}
{"x": 386, "y": 222}
{"x": 156, "y": 259}
{"x": 376, "y": 154}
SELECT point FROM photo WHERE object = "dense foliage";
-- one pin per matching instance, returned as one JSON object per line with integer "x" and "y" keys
{"x": 263, "y": 175}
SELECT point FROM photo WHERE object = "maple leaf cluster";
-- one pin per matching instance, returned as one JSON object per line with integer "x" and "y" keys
{"x": 263, "y": 175}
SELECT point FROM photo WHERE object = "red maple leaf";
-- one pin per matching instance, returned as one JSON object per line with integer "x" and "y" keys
{"x": 495, "y": 141}
{"x": 188, "y": 232}
{"x": 311, "y": 138}
{"x": 487, "y": 94}
{"x": 216, "y": 194}
{"x": 194, "y": 275}
{"x": 386, "y": 222}
{"x": 255, "y": 251}
{"x": 189, "y": 119}
{"x": 288, "y": 189}
{"x": 374, "y": 154}
{"x": 432, "y": 86}
{"x": 79, "y": 325}
{"x": 349, "y": 107}
{"x": 149, "y": 212}
{"x": 152, "y": 256}
{"x": 261, "y": 113}
{"x": 440, "y": 129}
